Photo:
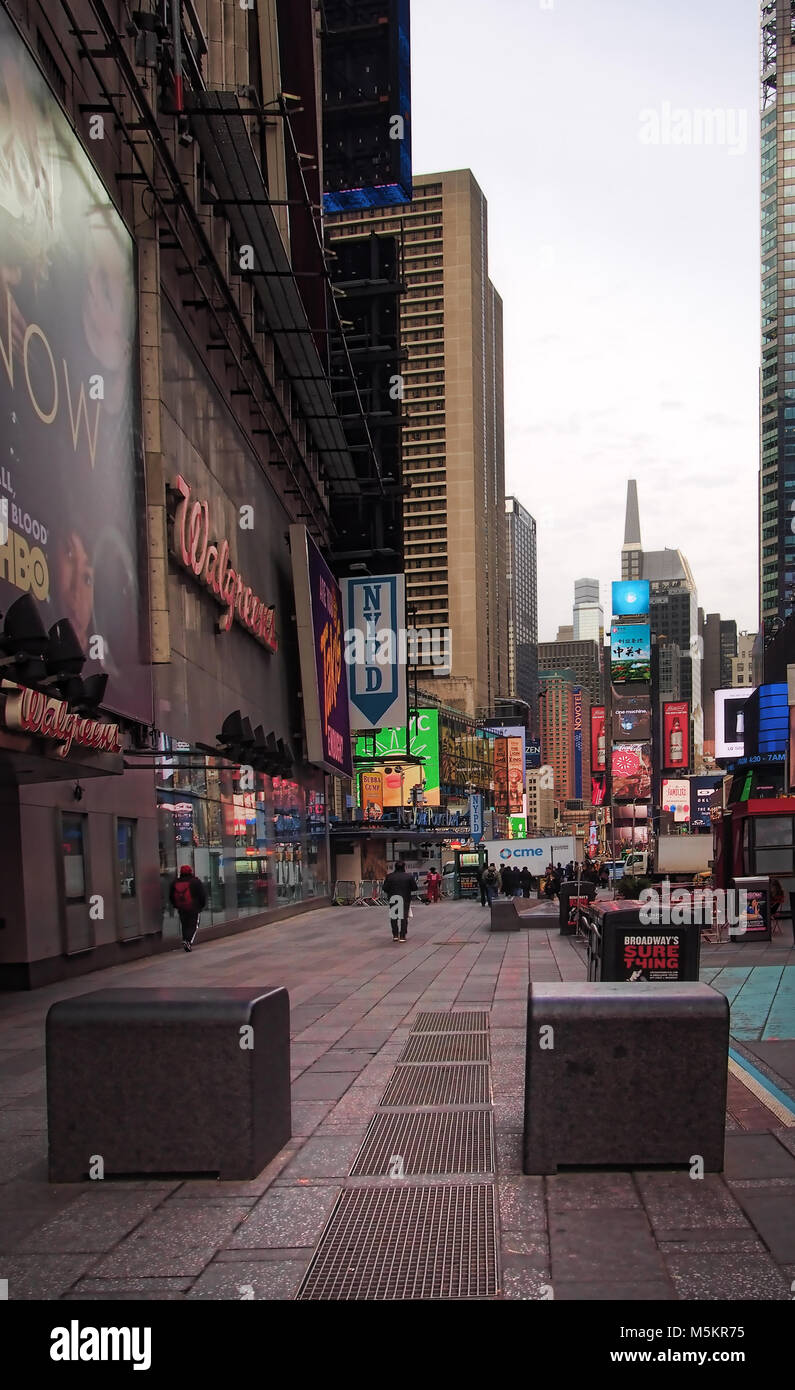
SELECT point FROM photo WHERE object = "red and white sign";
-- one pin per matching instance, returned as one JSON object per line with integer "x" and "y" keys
{"x": 676, "y": 798}
{"x": 32, "y": 712}
{"x": 210, "y": 564}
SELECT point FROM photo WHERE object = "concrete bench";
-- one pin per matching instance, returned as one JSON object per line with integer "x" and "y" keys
{"x": 168, "y": 1081}
{"x": 625, "y": 1075}
{"x": 505, "y": 915}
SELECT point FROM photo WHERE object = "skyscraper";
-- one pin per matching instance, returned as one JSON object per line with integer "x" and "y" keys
{"x": 719, "y": 648}
{"x": 583, "y": 658}
{"x": 777, "y": 423}
{"x": 452, "y": 433}
{"x": 673, "y": 606}
{"x": 522, "y": 599}
{"x": 589, "y": 618}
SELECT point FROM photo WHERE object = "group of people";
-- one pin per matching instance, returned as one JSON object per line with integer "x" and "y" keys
{"x": 513, "y": 883}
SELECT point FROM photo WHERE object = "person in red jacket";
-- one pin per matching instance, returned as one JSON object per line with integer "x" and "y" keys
{"x": 187, "y": 894}
{"x": 433, "y": 883}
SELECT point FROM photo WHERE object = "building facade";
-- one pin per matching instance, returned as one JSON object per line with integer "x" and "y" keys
{"x": 584, "y": 658}
{"x": 742, "y": 665}
{"x": 777, "y": 418}
{"x": 522, "y": 601}
{"x": 452, "y": 433}
{"x": 556, "y": 727}
{"x": 162, "y": 468}
{"x": 589, "y": 618}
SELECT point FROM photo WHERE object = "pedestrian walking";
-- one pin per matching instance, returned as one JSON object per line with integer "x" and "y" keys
{"x": 399, "y": 887}
{"x": 433, "y": 884}
{"x": 526, "y": 881}
{"x": 491, "y": 885}
{"x": 188, "y": 895}
{"x": 506, "y": 874}
{"x": 481, "y": 878}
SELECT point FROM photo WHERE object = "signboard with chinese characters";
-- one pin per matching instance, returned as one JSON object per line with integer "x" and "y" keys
{"x": 630, "y": 652}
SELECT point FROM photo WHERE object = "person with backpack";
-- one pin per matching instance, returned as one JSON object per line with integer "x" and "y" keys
{"x": 188, "y": 895}
{"x": 491, "y": 884}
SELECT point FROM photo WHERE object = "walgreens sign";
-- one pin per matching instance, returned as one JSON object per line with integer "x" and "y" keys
{"x": 32, "y": 712}
{"x": 209, "y": 562}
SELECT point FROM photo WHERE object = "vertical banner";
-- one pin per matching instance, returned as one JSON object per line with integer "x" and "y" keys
{"x": 375, "y": 650}
{"x": 517, "y": 828}
{"x": 515, "y": 776}
{"x": 676, "y": 735}
{"x": 578, "y": 743}
{"x": 598, "y": 740}
{"x": 501, "y": 776}
{"x": 318, "y": 611}
{"x": 476, "y": 816}
{"x": 372, "y": 794}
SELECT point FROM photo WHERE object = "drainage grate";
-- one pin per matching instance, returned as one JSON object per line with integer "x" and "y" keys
{"x": 403, "y": 1242}
{"x": 446, "y": 1047}
{"x": 445, "y": 1085}
{"x": 464, "y": 1021}
{"x": 408, "y": 1146}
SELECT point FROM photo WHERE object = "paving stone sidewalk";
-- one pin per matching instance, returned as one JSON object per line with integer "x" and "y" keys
{"x": 354, "y": 996}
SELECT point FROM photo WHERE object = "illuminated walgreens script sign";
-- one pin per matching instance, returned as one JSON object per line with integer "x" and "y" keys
{"x": 210, "y": 564}
{"x": 32, "y": 712}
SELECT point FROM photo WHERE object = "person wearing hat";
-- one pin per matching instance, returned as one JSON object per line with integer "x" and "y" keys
{"x": 187, "y": 894}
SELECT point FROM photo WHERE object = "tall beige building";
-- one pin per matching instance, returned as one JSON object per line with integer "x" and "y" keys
{"x": 452, "y": 432}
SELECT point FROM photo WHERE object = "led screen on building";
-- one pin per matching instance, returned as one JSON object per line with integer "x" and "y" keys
{"x": 630, "y": 652}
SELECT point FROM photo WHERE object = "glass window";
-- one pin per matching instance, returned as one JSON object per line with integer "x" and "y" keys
{"x": 74, "y": 866}
{"x": 125, "y": 857}
{"x": 773, "y": 830}
{"x": 773, "y": 861}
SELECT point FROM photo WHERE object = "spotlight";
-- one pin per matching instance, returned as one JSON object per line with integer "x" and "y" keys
{"x": 64, "y": 656}
{"x": 24, "y": 633}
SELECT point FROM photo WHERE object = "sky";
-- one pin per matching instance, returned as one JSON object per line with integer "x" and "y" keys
{"x": 617, "y": 145}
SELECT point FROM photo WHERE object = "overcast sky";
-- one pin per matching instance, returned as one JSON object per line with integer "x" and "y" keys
{"x": 623, "y": 238}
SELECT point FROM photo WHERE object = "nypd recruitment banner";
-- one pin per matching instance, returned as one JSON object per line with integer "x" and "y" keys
{"x": 375, "y": 650}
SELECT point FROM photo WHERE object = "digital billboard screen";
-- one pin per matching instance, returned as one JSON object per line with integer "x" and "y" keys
{"x": 676, "y": 798}
{"x": 730, "y": 721}
{"x": 631, "y": 718}
{"x": 630, "y": 598}
{"x": 676, "y": 735}
{"x": 702, "y": 790}
{"x": 631, "y": 769}
{"x": 630, "y": 652}
{"x": 598, "y": 741}
{"x": 399, "y": 778}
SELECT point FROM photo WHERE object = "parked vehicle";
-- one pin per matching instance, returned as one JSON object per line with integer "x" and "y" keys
{"x": 676, "y": 856}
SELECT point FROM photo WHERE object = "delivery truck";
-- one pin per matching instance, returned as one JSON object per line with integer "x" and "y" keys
{"x": 675, "y": 857}
{"x": 536, "y": 855}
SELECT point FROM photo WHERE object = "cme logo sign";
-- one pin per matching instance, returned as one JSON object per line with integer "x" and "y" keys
{"x": 519, "y": 853}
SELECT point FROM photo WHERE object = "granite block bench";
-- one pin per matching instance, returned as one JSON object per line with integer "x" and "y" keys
{"x": 625, "y": 1074}
{"x": 168, "y": 1081}
{"x": 505, "y": 915}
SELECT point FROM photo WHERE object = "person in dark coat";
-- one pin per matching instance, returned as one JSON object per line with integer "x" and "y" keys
{"x": 508, "y": 873}
{"x": 188, "y": 895}
{"x": 399, "y": 887}
{"x": 526, "y": 880}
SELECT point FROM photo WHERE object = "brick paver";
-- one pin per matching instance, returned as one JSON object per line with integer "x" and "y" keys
{"x": 354, "y": 997}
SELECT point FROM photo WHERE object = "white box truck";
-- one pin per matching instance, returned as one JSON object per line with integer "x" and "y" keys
{"x": 535, "y": 854}
{"x": 682, "y": 856}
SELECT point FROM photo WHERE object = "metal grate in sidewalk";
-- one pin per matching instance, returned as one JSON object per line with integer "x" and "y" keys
{"x": 459, "y": 1021}
{"x": 446, "y": 1047}
{"x": 448, "y": 1084}
{"x": 426, "y": 1142}
{"x": 403, "y": 1242}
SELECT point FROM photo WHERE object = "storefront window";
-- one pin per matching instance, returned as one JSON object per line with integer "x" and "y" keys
{"x": 73, "y": 828}
{"x": 125, "y": 857}
{"x": 256, "y": 843}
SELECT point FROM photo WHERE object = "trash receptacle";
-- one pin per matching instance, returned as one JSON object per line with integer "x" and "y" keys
{"x": 573, "y": 895}
{"x": 623, "y": 947}
{"x": 755, "y": 922}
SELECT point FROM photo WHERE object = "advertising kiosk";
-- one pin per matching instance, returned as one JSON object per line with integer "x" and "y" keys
{"x": 468, "y": 863}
